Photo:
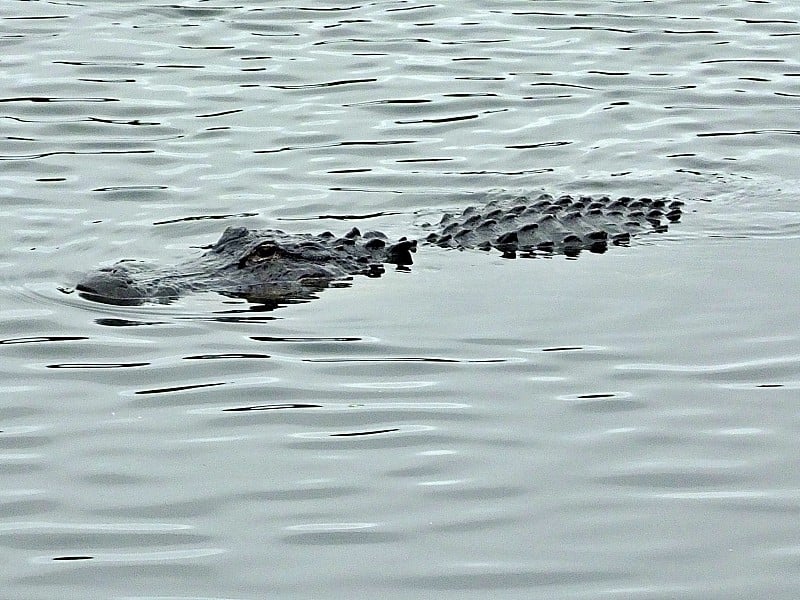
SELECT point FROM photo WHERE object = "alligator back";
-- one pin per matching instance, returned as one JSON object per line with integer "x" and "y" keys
{"x": 548, "y": 225}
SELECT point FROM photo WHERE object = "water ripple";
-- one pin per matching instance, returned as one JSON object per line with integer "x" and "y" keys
{"x": 619, "y": 426}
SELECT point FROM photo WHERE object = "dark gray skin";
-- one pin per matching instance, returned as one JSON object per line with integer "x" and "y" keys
{"x": 271, "y": 267}
{"x": 266, "y": 266}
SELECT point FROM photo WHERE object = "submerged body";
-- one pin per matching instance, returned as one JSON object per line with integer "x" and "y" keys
{"x": 271, "y": 267}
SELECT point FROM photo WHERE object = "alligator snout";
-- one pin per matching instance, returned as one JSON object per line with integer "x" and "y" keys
{"x": 110, "y": 285}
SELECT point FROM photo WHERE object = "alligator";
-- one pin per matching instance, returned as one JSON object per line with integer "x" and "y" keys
{"x": 272, "y": 268}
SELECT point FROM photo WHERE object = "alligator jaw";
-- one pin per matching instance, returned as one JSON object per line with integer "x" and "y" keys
{"x": 110, "y": 285}
{"x": 127, "y": 283}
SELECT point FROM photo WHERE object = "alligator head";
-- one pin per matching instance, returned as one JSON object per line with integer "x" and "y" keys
{"x": 264, "y": 266}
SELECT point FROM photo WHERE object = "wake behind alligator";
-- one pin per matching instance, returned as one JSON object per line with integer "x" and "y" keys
{"x": 272, "y": 268}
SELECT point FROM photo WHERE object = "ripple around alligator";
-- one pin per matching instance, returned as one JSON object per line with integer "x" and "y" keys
{"x": 273, "y": 269}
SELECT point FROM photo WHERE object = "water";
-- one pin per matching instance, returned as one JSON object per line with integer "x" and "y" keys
{"x": 618, "y": 426}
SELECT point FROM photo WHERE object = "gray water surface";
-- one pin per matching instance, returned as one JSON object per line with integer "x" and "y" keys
{"x": 622, "y": 425}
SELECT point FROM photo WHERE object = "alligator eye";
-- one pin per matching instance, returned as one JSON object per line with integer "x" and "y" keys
{"x": 265, "y": 250}
{"x": 262, "y": 251}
